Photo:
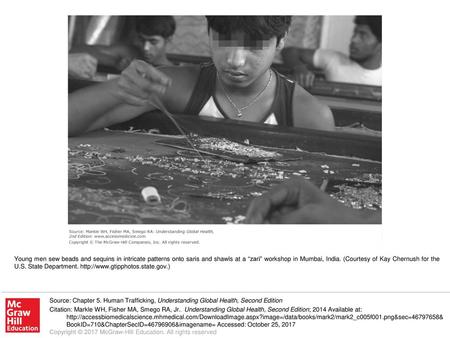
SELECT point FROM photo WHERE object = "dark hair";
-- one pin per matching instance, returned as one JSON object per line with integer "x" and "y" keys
{"x": 257, "y": 27}
{"x": 156, "y": 25}
{"x": 373, "y": 21}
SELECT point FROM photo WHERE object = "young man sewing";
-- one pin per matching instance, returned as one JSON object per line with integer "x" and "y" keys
{"x": 362, "y": 66}
{"x": 240, "y": 83}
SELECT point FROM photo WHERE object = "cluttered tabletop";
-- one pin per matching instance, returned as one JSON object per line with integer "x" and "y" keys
{"x": 138, "y": 176}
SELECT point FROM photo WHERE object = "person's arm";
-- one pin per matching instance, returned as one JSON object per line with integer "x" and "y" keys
{"x": 298, "y": 201}
{"x": 130, "y": 95}
{"x": 293, "y": 56}
{"x": 100, "y": 106}
{"x": 117, "y": 100}
{"x": 309, "y": 112}
{"x": 298, "y": 59}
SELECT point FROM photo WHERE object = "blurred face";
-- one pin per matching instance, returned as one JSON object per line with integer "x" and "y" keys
{"x": 240, "y": 60}
{"x": 153, "y": 47}
{"x": 363, "y": 43}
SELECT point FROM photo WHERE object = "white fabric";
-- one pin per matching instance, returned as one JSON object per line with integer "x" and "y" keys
{"x": 210, "y": 109}
{"x": 339, "y": 68}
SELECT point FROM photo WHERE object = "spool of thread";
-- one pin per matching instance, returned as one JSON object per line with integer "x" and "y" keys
{"x": 150, "y": 195}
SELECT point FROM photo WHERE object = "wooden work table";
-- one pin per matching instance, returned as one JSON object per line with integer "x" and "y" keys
{"x": 109, "y": 168}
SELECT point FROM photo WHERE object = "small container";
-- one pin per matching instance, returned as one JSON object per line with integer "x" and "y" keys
{"x": 150, "y": 195}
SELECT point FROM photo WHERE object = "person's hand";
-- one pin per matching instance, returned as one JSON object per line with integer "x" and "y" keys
{"x": 304, "y": 76}
{"x": 82, "y": 65}
{"x": 139, "y": 81}
{"x": 123, "y": 63}
{"x": 298, "y": 201}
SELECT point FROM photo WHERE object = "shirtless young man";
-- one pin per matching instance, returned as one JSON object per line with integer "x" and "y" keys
{"x": 239, "y": 84}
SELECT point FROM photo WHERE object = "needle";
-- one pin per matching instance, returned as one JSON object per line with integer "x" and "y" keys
{"x": 324, "y": 184}
{"x": 160, "y": 105}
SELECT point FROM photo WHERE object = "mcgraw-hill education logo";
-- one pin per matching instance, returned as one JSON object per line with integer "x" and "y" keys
{"x": 22, "y": 315}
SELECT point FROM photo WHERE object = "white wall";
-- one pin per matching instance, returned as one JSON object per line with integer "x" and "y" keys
{"x": 336, "y": 32}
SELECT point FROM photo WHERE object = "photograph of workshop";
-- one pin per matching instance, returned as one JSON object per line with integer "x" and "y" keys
{"x": 224, "y": 119}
